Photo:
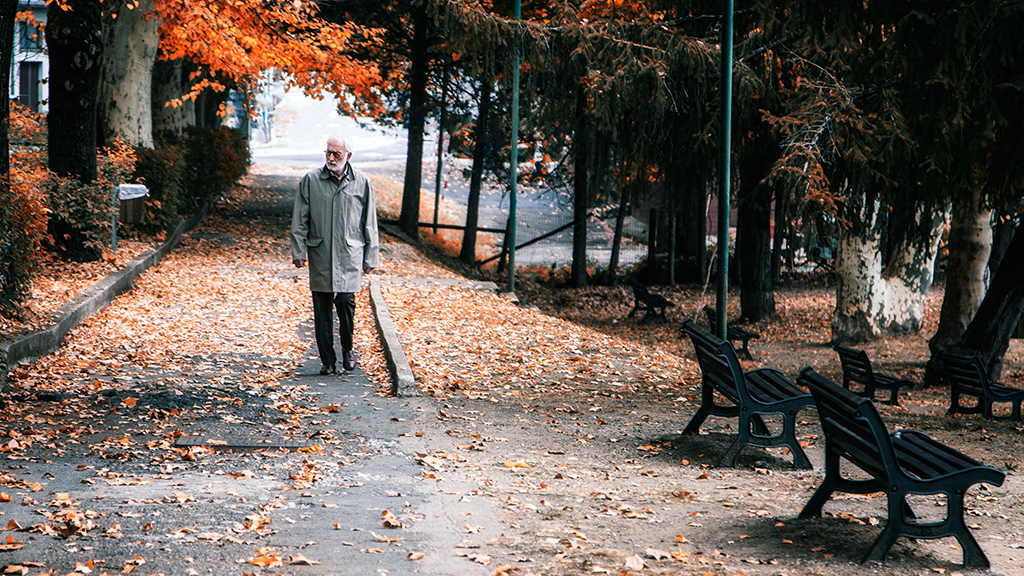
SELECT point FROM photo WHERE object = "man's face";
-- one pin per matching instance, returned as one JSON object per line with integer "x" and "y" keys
{"x": 337, "y": 156}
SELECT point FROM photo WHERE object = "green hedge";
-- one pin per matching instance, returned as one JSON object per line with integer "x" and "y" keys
{"x": 185, "y": 171}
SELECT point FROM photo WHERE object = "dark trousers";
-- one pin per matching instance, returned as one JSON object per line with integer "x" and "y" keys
{"x": 324, "y": 304}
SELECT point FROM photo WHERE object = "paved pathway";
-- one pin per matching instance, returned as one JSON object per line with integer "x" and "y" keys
{"x": 100, "y": 480}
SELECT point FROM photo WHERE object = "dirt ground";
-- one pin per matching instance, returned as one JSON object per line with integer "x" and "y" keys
{"x": 566, "y": 415}
{"x": 585, "y": 410}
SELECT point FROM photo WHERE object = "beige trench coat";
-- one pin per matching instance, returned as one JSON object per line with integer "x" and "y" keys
{"x": 335, "y": 223}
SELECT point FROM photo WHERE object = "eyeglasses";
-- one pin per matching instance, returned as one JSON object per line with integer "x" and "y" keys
{"x": 335, "y": 153}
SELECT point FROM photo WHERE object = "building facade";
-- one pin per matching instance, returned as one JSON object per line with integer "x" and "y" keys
{"x": 29, "y": 66}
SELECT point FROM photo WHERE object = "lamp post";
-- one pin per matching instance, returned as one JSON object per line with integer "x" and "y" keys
{"x": 514, "y": 161}
{"x": 724, "y": 169}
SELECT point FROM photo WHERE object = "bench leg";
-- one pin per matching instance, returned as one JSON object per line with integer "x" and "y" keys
{"x": 695, "y": 423}
{"x": 813, "y": 507}
{"x": 800, "y": 460}
{"x": 898, "y": 525}
{"x": 745, "y": 351}
{"x": 894, "y": 399}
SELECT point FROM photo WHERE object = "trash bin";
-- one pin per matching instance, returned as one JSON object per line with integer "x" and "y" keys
{"x": 133, "y": 203}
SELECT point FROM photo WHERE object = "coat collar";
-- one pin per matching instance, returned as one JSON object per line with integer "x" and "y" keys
{"x": 326, "y": 174}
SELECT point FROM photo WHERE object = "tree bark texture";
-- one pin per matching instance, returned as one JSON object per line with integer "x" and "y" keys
{"x": 125, "y": 96}
{"x": 970, "y": 243}
{"x": 988, "y": 335}
{"x": 871, "y": 303}
{"x": 693, "y": 220}
{"x": 74, "y": 39}
{"x": 468, "y": 251}
{"x": 1002, "y": 235}
{"x": 757, "y": 298}
{"x": 168, "y": 84}
{"x": 8, "y": 14}
{"x": 581, "y": 193}
{"x": 620, "y": 223}
{"x": 409, "y": 218}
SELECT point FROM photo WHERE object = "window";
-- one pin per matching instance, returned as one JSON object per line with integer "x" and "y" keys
{"x": 30, "y": 37}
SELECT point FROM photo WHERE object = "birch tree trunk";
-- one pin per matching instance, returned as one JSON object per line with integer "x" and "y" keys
{"x": 124, "y": 106}
{"x": 871, "y": 303}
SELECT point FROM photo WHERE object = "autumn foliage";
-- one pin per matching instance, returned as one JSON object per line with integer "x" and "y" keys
{"x": 240, "y": 40}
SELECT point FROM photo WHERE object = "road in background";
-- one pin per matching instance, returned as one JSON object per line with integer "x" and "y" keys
{"x": 303, "y": 124}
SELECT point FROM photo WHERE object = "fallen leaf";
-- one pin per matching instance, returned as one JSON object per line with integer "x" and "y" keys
{"x": 635, "y": 562}
{"x": 300, "y": 560}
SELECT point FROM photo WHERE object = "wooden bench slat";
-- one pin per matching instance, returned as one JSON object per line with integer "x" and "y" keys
{"x": 903, "y": 463}
{"x": 752, "y": 395}
{"x": 967, "y": 377}
{"x": 857, "y": 370}
{"x": 652, "y": 305}
{"x": 732, "y": 333}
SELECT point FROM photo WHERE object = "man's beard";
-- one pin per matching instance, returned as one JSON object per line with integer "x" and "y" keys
{"x": 339, "y": 167}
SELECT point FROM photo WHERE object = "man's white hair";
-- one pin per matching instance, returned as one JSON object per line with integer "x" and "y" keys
{"x": 345, "y": 142}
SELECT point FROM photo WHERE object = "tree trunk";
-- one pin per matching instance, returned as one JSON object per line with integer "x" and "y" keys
{"x": 168, "y": 85}
{"x": 1002, "y": 235}
{"x": 778, "y": 233}
{"x": 481, "y": 132}
{"x": 870, "y": 303}
{"x": 8, "y": 14}
{"x": 757, "y": 299}
{"x": 970, "y": 243}
{"x": 672, "y": 221}
{"x": 988, "y": 335}
{"x": 409, "y": 218}
{"x": 581, "y": 193}
{"x": 74, "y": 39}
{"x": 620, "y": 222}
{"x": 125, "y": 94}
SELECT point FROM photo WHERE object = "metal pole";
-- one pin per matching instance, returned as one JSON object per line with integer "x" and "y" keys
{"x": 113, "y": 220}
{"x": 514, "y": 161}
{"x": 724, "y": 169}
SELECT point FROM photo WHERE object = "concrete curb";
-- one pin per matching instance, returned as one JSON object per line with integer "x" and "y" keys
{"x": 92, "y": 300}
{"x": 403, "y": 383}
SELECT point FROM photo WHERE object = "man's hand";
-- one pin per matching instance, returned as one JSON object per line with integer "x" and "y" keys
{"x": 299, "y": 263}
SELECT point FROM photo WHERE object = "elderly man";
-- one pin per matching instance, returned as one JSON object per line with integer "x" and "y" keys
{"x": 334, "y": 222}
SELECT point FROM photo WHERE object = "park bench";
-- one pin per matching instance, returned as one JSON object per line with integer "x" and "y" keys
{"x": 652, "y": 305}
{"x": 733, "y": 333}
{"x": 906, "y": 462}
{"x": 857, "y": 370}
{"x": 967, "y": 377}
{"x": 752, "y": 395}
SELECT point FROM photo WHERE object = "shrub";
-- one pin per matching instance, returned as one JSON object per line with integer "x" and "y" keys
{"x": 22, "y": 210}
{"x": 215, "y": 159}
{"x": 161, "y": 171}
{"x": 81, "y": 212}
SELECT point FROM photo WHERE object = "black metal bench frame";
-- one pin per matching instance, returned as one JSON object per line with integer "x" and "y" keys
{"x": 752, "y": 395}
{"x": 652, "y": 305}
{"x": 733, "y": 333}
{"x": 857, "y": 370}
{"x": 903, "y": 463}
{"x": 967, "y": 377}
